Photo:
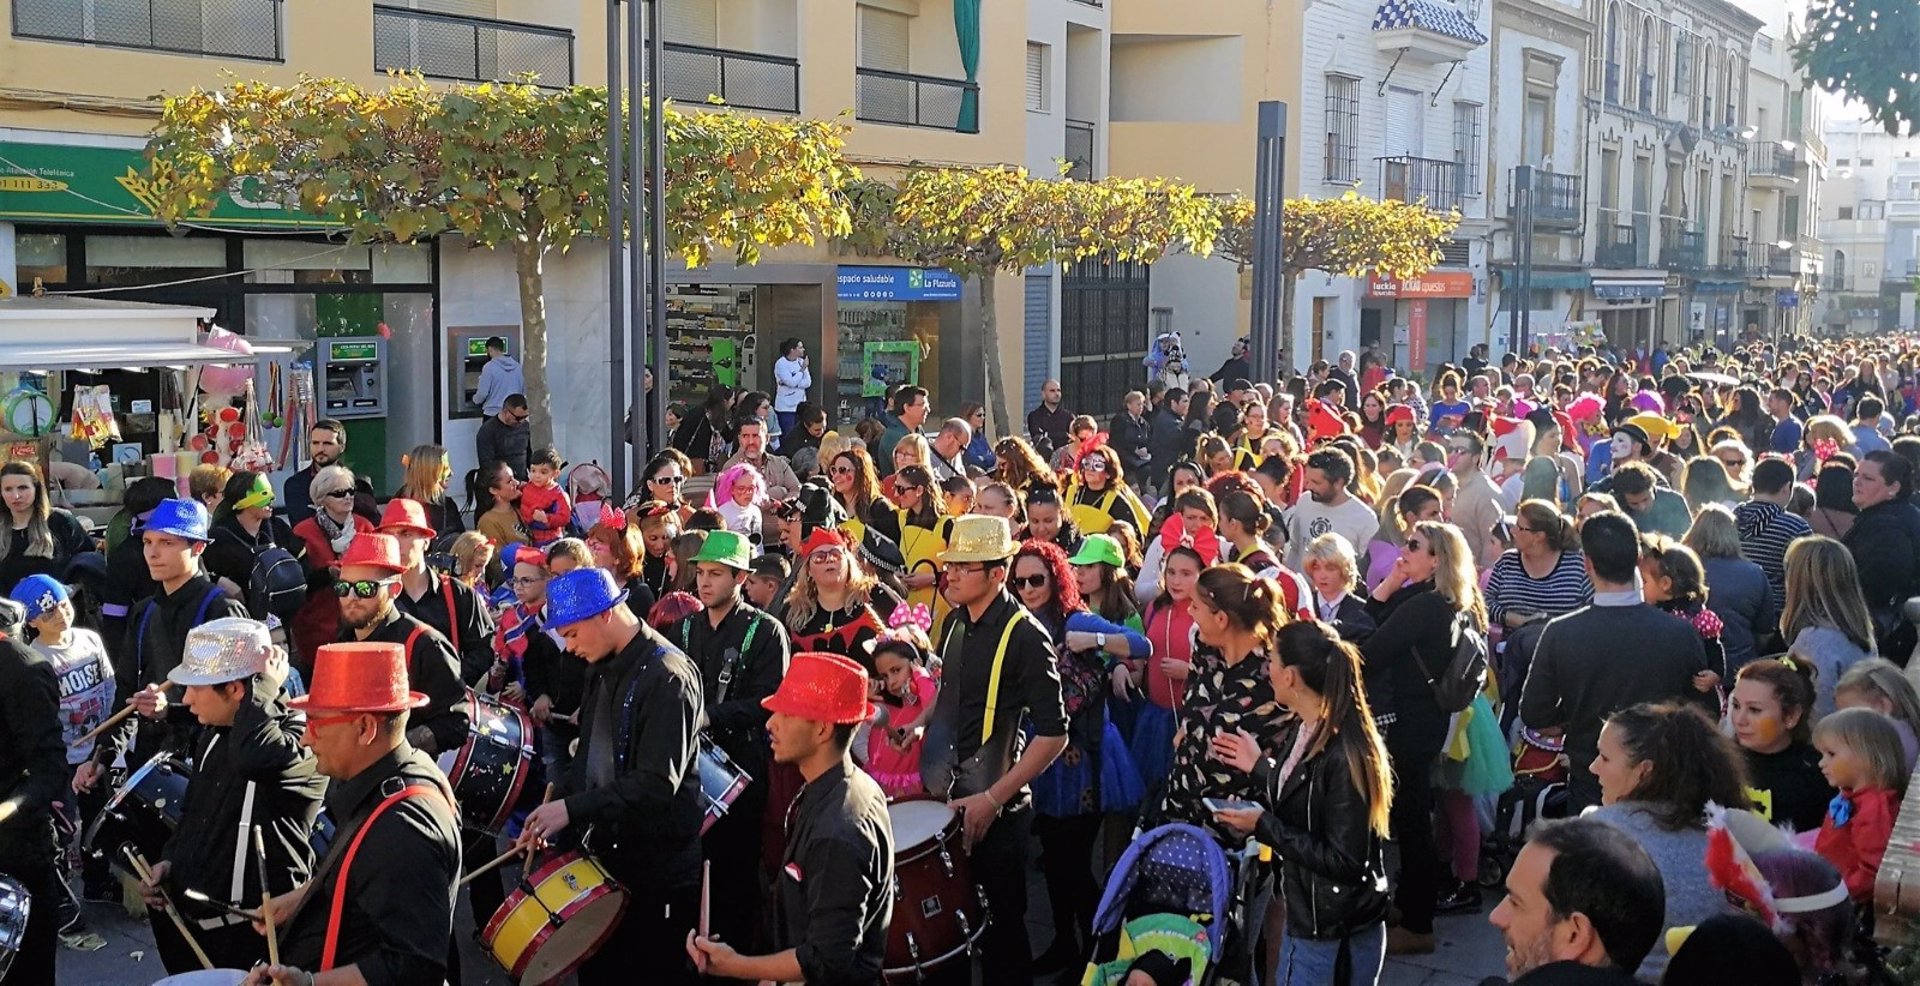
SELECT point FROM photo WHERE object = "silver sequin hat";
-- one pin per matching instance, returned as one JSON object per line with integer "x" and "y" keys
{"x": 227, "y": 649}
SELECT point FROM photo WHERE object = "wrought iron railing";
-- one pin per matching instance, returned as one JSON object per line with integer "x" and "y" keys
{"x": 1682, "y": 248}
{"x": 1439, "y": 183}
{"x": 1558, "y": 199}
{"x": 747, "y": 79}
{"x": 469, "y": 49}
{"x": 1080, "y": 141}
{"x": 1619, "y": 244}
{"x": 248, "y": 29}
{"x": 911, "y": 100}
{"x": 1734, "y": 255}
{"x": 1769, "y": 159}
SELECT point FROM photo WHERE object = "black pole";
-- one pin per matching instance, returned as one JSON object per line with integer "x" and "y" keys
{"x": 616, "y": 271}
{"x": 657, "y": 228}
{"x": 637, "y": 282}
{"x": 1511, "y": 284}
{"x": 1529, "y": 202}
{"x": 1269, "y": 198}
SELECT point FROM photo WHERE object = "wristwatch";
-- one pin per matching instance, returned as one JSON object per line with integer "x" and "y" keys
{"x": 1100, "y": 641}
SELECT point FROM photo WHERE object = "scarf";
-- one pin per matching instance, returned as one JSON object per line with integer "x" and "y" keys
{"x": 338, "y": 536}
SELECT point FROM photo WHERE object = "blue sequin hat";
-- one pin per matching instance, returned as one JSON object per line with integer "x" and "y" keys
{"x": 40, "y": 594}
{"x": 581, "y": 594}
{"x": 185, "y": 519}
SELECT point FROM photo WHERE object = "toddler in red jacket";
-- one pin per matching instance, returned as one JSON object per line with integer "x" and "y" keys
{"x": 545, "y": 510}
{"x": 1861, "y": 756}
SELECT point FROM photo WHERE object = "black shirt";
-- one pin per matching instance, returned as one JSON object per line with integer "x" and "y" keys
{"x": 640, "y": 723}
{"x": 451, "y": 607}
{"x": 1787, "y": 787}
{"x": 262, "y": 748}
{"x": 398, "y": 918}
{"x": 554, "y": 672}
{"x": 432, "y": 669}
{"x": 146, "y": 658}
{"x": 498, "y": 441}
{"x": 1029, "y": 686}
{"x": 33, "y": 757}
{"x": 231, "y": 553}
{"x": 69, "y": 538}
{"x": 836, "y": 882}
{"x": 753, "y": 668}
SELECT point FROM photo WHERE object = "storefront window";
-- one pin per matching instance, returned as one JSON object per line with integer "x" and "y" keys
{"x": 710, "y": 340}
{"x": 41, "y": 255}
{"x": 320, "y": 264}
{"x": 153, "y": 259}
{"x": 885, "y": 344}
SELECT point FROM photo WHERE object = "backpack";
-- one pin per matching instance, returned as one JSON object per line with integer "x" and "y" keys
{"x": 1465, "y": 673}
{"x": 277, "y": 585}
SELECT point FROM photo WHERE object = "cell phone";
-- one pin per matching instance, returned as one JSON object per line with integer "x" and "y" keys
{"x": 1225, "y": 804}
{"x": 706, "y": 898}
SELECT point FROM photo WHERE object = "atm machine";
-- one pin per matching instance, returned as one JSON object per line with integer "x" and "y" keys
{"x": 467, "y": 349}
{"x": 352, "y": 376}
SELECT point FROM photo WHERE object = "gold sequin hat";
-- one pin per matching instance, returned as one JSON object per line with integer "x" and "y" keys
{"x": 231, "y": 648}
{"x": 979, "y": 537}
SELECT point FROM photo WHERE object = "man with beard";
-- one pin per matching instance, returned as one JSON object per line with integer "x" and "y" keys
{"x": 1328, "y": 507}
{"x": 326, "y": 443}
{"x": 369, "y": 583}
{"x": 1584, "y": 905}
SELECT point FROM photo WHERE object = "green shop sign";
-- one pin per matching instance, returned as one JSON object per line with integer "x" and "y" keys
{"x": 59, "y": 183}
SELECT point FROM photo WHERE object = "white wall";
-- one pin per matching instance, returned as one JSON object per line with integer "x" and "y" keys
{"x": 1204, "y": 294}
{"x": 1177, "y": 80}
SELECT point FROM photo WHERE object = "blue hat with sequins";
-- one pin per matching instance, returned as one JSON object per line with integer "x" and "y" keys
{"x": 185, "y": 519}
{"x": 40, "y": 594}
{"x": 581, "y": 594}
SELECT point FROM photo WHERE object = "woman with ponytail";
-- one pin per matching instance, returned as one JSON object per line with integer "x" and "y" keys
{"x": 1236, "y": 616}
{"x": 1326, "y": 795}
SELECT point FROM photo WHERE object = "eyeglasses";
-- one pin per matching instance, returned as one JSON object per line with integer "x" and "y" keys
{"x": 1029, "y": 581}
{"x": 340, "y": 495}
{"x": 527, "y": 580}
{"x": 675, "y": 480}
{"x": 364, "y": 588}
{"x": 1094, "y": 465}
{"x": 521, "y": 415}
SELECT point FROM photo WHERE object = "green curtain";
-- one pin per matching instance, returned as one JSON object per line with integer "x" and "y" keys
{"x": 966, "y": 27}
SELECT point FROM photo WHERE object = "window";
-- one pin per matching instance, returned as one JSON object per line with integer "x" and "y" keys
{"x": 1645, "y": 91}
{"x": 1612, "y": 90}
{"x": 1838, "y": 271}
{"x": 1844, "y": 162}
{"x": 1682, "y": 62}
{"x": 1037, "y": 77}
{"x": 1866, "y": 162}
{"x": 1467, "y": 145}
{"x": 884, "y": 39}
{"x": 1343, "y": 129}
{"x": 1536, "y": 144}
{"x": 1846, "y": 212}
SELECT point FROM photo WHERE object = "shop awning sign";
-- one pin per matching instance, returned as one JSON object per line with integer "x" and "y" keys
{"x": 62, "y": 183}
{"x": 897, "y": 284}
{"x": 1432, "y": 284}
{"x": 1628, "y": 290}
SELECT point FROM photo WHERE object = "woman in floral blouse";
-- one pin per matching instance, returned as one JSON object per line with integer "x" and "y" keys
{"x": 1235, "y": 615}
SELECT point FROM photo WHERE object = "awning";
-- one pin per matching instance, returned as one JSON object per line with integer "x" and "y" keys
{"x": 69, "y": 333}
{"x": 1548, "y": 279}
{"x": 1629, "y": 289}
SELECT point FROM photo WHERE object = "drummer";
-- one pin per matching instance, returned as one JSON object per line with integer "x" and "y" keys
{"x": 438, "y": 600}
{"x": 836, "y": 881}
{"x": 251, "y": 770}
{"x": 32, "y": 767}
{"x": 382, "y": 912}
{"x": 172, "y": 541}
{"x": 368, "y": 584}
{"x": 633, "y": 780}
{"x": 742, "y": 655}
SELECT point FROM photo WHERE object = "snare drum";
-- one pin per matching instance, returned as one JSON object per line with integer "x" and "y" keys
{"x": 205, "y": 977}
{"x": 938, "y": 914}
{"x": 15, "y": 904}
{"x": 558, "y": 917}
{"x": 143, "y": 813}
{"x": 491, "y": 768}
{"x": 721, "y": 782}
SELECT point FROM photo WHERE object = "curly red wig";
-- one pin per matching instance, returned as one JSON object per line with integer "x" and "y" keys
{"x": 1066, "y": 589}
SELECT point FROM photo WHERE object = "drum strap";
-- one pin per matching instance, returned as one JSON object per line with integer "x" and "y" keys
{"x": 993, "y": 679}
{"x": 146, "y": 616}
{"x": 339, "y": 905}
{"x": 732, "y": 662}
{"x": 453, "y": 613}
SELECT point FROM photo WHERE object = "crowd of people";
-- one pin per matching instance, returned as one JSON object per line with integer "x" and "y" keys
{"x": 1615, "y": 635}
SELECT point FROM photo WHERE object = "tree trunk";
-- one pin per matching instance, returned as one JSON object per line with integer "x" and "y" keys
{"x": 1002, "y": 423}
{"x": 529, "y": 256}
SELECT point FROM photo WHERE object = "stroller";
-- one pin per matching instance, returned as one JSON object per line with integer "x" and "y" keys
{"x": 1539, "y": 791}
{"x": 1178, "y": 891}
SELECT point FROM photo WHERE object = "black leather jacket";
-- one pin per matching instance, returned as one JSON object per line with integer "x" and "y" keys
{"x": 1332, "y": 866}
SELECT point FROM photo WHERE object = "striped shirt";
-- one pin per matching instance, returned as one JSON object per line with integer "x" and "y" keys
{"x": 1765, "y": 531}
{"x": 1511, "y": 590}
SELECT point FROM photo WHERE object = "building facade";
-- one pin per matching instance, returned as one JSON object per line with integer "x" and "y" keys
{"x": 1786, "y": 172}
{"x": 1866, "y": 226}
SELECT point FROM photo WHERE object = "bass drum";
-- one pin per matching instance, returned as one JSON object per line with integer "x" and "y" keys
{"x": 15, "y": 905}
{"x": 491, "y": 769}
{"x": 938, "y": 913}
{"x": 142, "y": 814}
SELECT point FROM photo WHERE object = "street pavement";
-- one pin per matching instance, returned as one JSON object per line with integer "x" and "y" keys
{"x": 1469, "y": 951}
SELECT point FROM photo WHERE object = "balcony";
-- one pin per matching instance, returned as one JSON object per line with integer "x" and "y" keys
{"x": 909, "y": 100}
{"x": 1619, "y": 247}
{"x": 1080, "y": 141}
{"x": 1733, "y": 255}
{"x": 1773, "y": 259}
{"x": 1439, "y": 184}
{"x": 1558, "y": 201}
{"x": 470, "y": 49}
{"x": 1770, "y": 164}
{"x": 746, "y": 79}
{"x": 1682, "y": 248}
{"x": 248, "y": 29}
{"x": 1425, "y": 31}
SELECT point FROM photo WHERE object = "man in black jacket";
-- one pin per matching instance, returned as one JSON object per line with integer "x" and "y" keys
{"x": 1581, "y": 671}
{"x": 742, "y": 653}
{"x": 250, "y": 771}
{"x": 33, "y": 764}
{"x": 1049, "y": 423}
{"x": 1169, "y": 442}
{"x": 506, "y": 437}
{"x": 172, "y": 541}
{"x": 633, "y": 783}
{"x": 368, "y": 585}
{"x": 1584, "y": 905}
{"x": 1131, "y": 437}
{"x": 446, "y": 604}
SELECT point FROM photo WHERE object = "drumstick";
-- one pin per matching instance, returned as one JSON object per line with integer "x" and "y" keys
{"x": 94, "y": 733}
{"x": 145, "y": 873}
{"x": 527, "y": 867}
{"x": 496, "y": 864}
{"x": 220, "y": 905}
{"x": 266, "y": 899}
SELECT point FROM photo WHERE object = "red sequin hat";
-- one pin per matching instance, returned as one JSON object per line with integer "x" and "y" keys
{"x": 360, "y": 676}
{"x": 822, "y": 688}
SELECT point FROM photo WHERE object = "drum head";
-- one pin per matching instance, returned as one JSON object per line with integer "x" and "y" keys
{"x": 916, "y": 822}
{"x": 577, "y": 939}
{"x": 205, "y": 977}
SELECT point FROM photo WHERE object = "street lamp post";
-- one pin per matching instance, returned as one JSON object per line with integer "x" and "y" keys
{"x": 636, "y": 268}
{"x": 1269, "y": 198}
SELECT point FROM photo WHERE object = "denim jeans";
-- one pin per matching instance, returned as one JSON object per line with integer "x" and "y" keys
{"x": 1305, "y": 962}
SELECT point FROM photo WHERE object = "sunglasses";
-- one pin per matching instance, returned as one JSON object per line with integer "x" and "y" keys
{"x": 1416, "y": 546}
{"x": 1028, "y": 581}
{"x": 675, "y": 480}
{"x": 363, "y": 588}
{"x": 340, "y": 495}
{"x": 841, "y": 470}
{"x": 908, "y": 489}
{"x": 1094, "y": 465}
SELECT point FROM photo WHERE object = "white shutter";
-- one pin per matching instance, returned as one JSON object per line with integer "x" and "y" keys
{"x": 462, "y": 8}
{"x": 693, "y": 22}
{"x": 1406, "y": 113}
{"x": 883, "y": 40}
{"x": 1036, "y": 77}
